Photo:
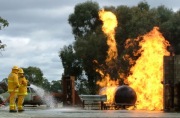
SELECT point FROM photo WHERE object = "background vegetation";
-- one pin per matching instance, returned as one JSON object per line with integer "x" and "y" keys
{"x": 78, "y": 59}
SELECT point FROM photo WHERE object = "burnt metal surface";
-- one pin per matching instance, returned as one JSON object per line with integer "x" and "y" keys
{"x": 125, "y": 95}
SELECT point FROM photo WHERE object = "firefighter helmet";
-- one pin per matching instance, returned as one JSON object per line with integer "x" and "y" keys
{"x": 21, "y": 70}
{"x": 15, "y": 68}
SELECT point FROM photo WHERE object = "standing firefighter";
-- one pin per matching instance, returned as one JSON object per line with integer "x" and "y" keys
{"x": 13, "y": 85}
{"x": 22, "y": 89}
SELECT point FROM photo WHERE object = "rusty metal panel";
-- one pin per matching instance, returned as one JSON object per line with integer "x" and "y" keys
{"x": 177, "y": 83}
{"x": 168, "y": 82}
{"x": 177, "y": 97}
{"x": 168, "y": 69}
{"x": 171, "y": 82}
{"x": 72, "y": 79}
{"x": 68, "y": 91}
{"x": 177, "y": 69}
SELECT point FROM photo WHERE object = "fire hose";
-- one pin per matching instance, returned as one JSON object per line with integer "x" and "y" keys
{"x": 3, "y": 103}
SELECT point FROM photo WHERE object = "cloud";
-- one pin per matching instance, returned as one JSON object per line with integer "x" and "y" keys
{"x": 26, "y": 52}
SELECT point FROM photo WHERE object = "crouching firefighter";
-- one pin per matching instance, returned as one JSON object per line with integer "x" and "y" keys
{"x": 13, "y": 85}
{"x": 23, "y": 82}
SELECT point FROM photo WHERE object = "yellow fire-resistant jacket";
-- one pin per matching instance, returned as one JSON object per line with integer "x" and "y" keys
{"x": 13, "y": 82}
{"x": 23, "y": 86}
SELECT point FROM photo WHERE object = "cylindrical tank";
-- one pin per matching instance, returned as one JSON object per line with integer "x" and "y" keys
{"x": 110, "y": 92}
{"x": 125, "y": 95}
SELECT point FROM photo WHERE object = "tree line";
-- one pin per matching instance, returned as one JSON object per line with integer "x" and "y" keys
{"x": 89, "y": 50}
{"x": 35, "y": 76}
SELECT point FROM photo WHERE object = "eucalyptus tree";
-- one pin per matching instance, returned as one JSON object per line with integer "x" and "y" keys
{"x": 90, "y": 49}
{"x": 71, "y": 64}
{"x": 3, "y": 23}
{"x": 85, "y": 25}
{"x": 56, "y": 86}
{"x": 171, "y": 29}
{"x": 34, "y": 75}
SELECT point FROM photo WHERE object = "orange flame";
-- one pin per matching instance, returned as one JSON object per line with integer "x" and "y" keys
{"x": 109, "y": 24}
{"x": 108, "y": 87}
{"x": 147, "y": 73}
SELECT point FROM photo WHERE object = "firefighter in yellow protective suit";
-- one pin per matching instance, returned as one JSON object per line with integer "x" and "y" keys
{"x": 13, "y": 85}
{"x": 23, "y": 82}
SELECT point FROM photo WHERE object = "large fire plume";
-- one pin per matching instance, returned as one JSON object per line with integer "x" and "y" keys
{"x": 147, "y": 73}
{"x": 109, "y": 25}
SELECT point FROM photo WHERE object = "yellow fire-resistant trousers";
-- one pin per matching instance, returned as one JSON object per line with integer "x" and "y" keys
{"x": 20, "y": 102}
{"x": 12, "y": 99}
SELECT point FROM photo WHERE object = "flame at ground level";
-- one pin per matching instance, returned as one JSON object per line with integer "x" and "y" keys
{"x": 108, "y": 87}
{"x": 147, "y": 73}
{"x": 110, "y": 92}
{"x": 109, "y": 24}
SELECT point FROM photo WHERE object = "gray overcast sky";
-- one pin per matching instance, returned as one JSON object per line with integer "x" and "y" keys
{"x": 38, "y": 29}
